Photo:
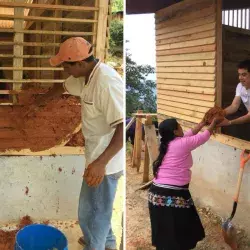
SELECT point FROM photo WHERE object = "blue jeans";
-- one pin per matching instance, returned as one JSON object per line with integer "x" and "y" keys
{"x": 95, "y": 213}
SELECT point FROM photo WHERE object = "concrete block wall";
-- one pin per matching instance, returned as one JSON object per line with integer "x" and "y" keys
{"x": 214, "y": 179}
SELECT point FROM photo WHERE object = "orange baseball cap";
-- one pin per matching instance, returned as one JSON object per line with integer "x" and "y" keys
{"x": 72, "y": 50}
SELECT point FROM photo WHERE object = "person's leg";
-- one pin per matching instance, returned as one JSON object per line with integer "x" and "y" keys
{"x": 95, "y": 212}
{"x": 113, "y": 181}
{"x": 85, "y": 212}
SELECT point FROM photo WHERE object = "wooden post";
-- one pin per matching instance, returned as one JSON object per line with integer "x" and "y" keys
{"x": 38, "y": 52}
{"x": 152, "y": 143}
{"x": 146, "y": 158}
{"x": 101, "y": 29}
{"x": 18, "y": 49}
{"x": 146, "y": 165}
{"x": 95, "y": 27}
{"x": 138, "y": 141}
{"x": 219, "y": 55}
{"x": 57, "y": 39}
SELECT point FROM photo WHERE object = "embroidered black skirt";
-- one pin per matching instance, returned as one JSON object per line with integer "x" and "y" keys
{"x": 175, "y": 222}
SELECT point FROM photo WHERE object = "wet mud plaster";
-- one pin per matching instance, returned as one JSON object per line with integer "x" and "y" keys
{"x": 77, "y": 140}
{"x": 48, "y": 127}
{"x": 7, "y": 238}
{"x": 212, "y": 113}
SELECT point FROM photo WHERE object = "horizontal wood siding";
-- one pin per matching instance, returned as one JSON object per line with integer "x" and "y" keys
{"x": 186, "y": 59}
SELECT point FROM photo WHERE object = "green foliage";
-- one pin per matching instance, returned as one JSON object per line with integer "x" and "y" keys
{"x": 117, "y": 5}
{"x": 116, "y": 37}
{"x": 140, "y": 92}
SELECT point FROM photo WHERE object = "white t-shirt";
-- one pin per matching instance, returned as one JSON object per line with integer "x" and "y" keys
{"x": 102, "y": 109}
{"x": 244, "y": 94}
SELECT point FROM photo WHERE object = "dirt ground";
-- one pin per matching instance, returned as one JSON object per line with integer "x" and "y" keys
{"x": 138, "y": 231}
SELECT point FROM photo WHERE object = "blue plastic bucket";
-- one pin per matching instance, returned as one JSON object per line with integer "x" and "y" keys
{"x": 40, "y": 237}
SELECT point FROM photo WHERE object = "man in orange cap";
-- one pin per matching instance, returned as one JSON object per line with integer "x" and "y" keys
{"x": 101, "y": 91}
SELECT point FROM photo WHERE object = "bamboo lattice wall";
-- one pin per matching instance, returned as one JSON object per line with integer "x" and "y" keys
{"x": 36, "y": 32}
{"x": 30, "y": 33}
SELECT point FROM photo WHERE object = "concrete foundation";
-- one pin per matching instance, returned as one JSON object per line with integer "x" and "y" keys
{"x": 214, "y": 180}
{"x": 48, "y": 188}
{"x": 43, "y": 187}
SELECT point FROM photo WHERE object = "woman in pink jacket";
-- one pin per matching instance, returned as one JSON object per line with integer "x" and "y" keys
{"x": 175, "y": 222}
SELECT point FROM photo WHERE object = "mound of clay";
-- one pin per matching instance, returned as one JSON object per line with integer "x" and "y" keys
{"x": 48, "y": 127}
{"x": 77, "y": 140}
{"x": 7, "y": 238}
{"x": 212, "y": 113}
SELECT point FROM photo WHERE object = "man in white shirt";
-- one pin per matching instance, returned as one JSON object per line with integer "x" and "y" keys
{"x": 242, "y": 94}
{"x": 100, "y": 89}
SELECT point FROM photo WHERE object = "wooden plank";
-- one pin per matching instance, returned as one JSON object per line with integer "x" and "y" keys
{"x": 184, "y": 123}
{"x": 219, "y": 53}
{"x": 204, "y": 77}
{"x": 57, "y": 39}
{"x": 31, "y": 68}
{"x": 146, "y": 165}
{"x": 47, "y": 19}
{"x": 14, "y": 92}
{"x": 194, "y": 96}
{"x": 33, "y": 81}
{"x": 53, "y": 151}
{"x": 143, "y": 115}
{"x": 198, "y": 42}
{"x": 48, "y": 6}
{"x": 186, "y": 57}
{"x": 181, "y": 111}
{"x": 101, "y": 30}
{"x": 25, "y": 56}
{"x": 95, "y": 26}
{"x": 177, "y": 9}
{"x": 195, "y": 49}
{"x": 181, "y": 105}
{"x": 185, "y": 82}
{"x": 18, "y": 49}
{"x": 138, "y": 139}
{"x": 205, "y": 91}
{"x": 151, "y": 139}
{"x": 190, "y": 16}
{"x": 189, "y": 37}
{"x": 37, "y": 12}
{"x": 130, "y": 123}
{"x": 185, "y": 25}
{"x": 38, "y": 51}
{"x": 197, "y": 29}
{"x": 30, "y": 44}
{"x": 167, "y": 69}
{"x": 48, "y": 32}
{"x": 175, "y": 115}
{"x": 231, "y": 141}
{"x": 199, "y": 63}
{"x": 199, "y": 103}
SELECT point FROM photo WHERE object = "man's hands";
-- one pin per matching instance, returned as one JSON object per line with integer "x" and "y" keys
{"x": 95, "y": 173}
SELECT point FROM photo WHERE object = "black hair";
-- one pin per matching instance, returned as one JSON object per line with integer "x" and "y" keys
{"x": 244, "y": 65}
{"x": 88, "y": 60}
{"x": 166, "y": 131}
